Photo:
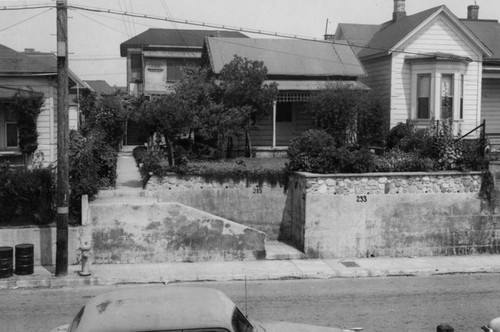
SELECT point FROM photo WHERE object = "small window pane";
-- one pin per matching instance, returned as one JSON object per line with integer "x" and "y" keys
{"x": 423, "y": 96}
{"x": 12, "y": 135}
{"x": 447, "y": 97}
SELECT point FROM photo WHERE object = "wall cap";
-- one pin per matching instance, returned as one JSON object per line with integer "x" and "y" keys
{"x": 388, "y": 174}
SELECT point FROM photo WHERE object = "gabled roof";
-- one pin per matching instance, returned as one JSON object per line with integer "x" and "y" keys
{"x": 16, "y": 63}
{"x": 287, "y": 57}
{"x": 100, "y": 87}
{"x": 488, "y": 31}
{"x": 390, "y": 35}
{"x": 174, "y": 38}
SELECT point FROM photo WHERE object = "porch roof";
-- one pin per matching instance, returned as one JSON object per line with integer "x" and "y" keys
{"x": 298, "y": 85}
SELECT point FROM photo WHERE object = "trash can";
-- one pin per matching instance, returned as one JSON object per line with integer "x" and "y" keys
{"x": 24, "y": 259}
{"x": 6, "y": 266}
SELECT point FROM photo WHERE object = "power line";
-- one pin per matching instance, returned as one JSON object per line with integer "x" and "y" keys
{"x": 26, "y": 20}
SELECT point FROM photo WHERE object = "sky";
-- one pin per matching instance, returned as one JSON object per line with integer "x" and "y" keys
{"x": 94, "y": 38}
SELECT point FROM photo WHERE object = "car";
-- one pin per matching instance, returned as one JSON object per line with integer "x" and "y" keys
{"x": 173, "y": 309}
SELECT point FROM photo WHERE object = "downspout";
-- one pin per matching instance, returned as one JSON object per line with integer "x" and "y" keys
{"x": 274, "y": 123}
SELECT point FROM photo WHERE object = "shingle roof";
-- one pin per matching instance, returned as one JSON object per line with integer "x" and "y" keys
{"x": 174, "y": 37}
{"x": 287, "y": 57}
{"x": 488, "y": 31}
{"x": 390, "y": 33}
{"x": 101, "y": 87}
{"x": 13, "y": 62}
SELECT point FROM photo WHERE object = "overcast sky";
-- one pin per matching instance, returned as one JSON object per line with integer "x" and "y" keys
{"x": 95, "y": 38}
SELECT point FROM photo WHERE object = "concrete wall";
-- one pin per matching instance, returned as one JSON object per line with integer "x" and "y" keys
{"x": 44, "y": 242}
{"x": 168, "y": 232}
{"x": 260, "y": 206}
{"x": 393, "y": 214}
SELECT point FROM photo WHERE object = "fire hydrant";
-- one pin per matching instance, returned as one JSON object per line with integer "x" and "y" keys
{"x": 85, "y": 255}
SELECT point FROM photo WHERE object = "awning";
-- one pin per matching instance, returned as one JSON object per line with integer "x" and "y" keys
{"x": 172, "y": 54}
{"x": 297, "y": 85}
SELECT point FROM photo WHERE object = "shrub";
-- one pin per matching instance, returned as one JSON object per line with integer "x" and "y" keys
{"x": 305, "y": 149}
{"x": 31, "y": 190}
{"x": 400, "y": 161}
{"x": 92, "y": 166}
{"x": 139, "y": 152}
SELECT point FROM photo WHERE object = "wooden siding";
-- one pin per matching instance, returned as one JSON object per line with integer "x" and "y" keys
{"x": 379, "y": 80}
{"x": 46, "y": 123}
{"x": 438, "y": 36}
{"x": 491, "y": 106}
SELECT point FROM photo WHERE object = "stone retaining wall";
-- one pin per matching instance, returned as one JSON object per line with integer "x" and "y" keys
{"x": 391, "y": 214}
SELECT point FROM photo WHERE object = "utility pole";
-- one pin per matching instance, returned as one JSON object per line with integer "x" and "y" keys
{"x": 62, "y": 140}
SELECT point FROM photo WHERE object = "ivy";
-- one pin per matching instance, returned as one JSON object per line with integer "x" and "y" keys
{"x": 28, "y": 106}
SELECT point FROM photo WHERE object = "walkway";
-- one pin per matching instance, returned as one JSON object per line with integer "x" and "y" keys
{"x": 128, "y": 175}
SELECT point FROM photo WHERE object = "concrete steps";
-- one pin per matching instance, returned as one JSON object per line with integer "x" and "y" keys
{"x": 276, "y": 250}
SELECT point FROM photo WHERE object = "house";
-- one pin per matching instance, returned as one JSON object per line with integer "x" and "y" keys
{"x": 429, "y": 65}
{"x": 488, "y": 31}
{"x": 154, "y": 61}
{"x": 155, "y": 57}
{"x": 297, "y": 67}
{"x": 34, "y": 72}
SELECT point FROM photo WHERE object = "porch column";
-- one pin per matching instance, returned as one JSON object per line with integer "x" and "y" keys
{"x": 274, "y": 123}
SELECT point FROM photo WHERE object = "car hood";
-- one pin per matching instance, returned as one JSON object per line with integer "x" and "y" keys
{"x": 293, "y": 327}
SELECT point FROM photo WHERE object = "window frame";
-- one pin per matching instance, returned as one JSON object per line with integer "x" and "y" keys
{"x": 436, "y": 70}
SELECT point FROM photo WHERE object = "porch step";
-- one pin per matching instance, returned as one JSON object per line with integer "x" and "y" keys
{"x": 123, "y": 195}
{"x": 276, "y": 250}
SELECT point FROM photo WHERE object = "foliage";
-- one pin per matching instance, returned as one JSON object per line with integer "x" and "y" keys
{"x": 139, "y": 152}
{"x": 169, "y": 116}
{"x": 28, "y": 106}
{"x": 107, "y": 114}
{"x": 397, "y": 160}
{"x": 351, "y": 116}
{"x": 228, "y": 106}
{"x": 92, "y": 166}
{"x": 305, "y": 150}
{"x": 32, "y": 190}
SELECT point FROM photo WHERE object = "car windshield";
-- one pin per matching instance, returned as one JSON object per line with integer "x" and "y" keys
{"x": 240, "y": 323}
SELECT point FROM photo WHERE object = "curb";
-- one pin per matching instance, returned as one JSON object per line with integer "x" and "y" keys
{"x": 33, "y": 281}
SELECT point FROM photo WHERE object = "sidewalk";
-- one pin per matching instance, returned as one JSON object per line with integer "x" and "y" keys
{"x": 112, "y": 274}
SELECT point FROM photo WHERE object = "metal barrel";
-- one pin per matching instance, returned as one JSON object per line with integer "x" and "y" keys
{"x": 24, "y": 259}
{"x": 6, "y": 266}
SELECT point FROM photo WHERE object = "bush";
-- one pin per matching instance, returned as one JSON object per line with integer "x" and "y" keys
{"x": 31, "y": 190}
{"x": 92, "y": 166}
{"x": 139, "y": 153}
{"x": 400, "y": 161}
{"x": 305, "y": 150}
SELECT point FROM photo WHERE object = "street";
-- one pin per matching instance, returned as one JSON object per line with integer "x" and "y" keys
{"x": 466, "y": 302}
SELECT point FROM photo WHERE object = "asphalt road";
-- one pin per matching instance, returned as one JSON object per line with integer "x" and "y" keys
{"x": 377, "y": 304}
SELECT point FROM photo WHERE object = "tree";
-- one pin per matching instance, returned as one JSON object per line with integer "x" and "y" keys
{"x": 244, "y": 94}
{"x": 107, "y": 114}
{"x": 171, "y": 117}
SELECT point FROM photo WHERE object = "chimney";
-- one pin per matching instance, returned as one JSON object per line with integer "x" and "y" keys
{"x": 473, "y": 12}
{"x": 399, "y": 10}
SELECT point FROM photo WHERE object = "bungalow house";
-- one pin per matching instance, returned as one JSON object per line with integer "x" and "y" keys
{"x": 297, "y": 67}
{"x": 154, "y": 61}
{"x": 430, "y": 65}
{"x": 29, "y": 72}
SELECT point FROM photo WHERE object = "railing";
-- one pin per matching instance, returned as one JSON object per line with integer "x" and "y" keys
{"x": 483, "y": 142}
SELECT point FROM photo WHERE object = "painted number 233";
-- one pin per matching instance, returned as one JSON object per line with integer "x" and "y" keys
{"x": 361, "y": 199}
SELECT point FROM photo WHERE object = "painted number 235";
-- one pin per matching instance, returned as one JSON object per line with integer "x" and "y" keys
{"x": 361, "y": 199}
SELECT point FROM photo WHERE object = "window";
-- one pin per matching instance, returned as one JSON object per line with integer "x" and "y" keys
{"x": 135, "y": 67}
{"x": 284, "y": 112}
{"x": 12, "y": 135}
{"x": 461, "y": 115}
{"x": 423, "y": 96}
{"x": 240, "y": 323}
{"x": 446, "y": 96}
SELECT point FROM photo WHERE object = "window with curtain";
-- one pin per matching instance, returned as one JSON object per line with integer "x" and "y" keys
{"x": 423, "y": 96}
{"x": 447, "y": 96}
